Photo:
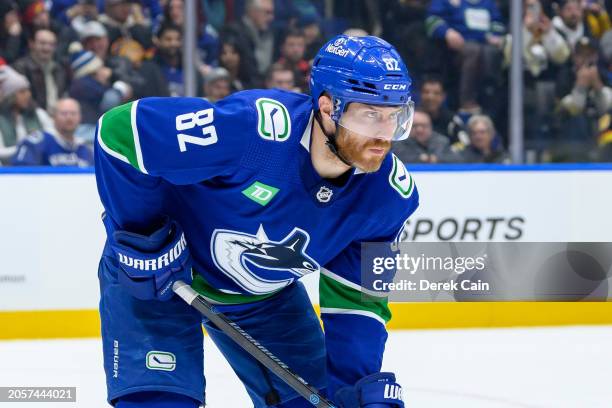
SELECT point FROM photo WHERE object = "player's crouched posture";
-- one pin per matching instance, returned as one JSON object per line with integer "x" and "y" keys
{"x": 241, "y": 199}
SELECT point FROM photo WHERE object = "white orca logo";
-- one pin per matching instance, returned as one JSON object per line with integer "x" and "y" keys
{"x": 259, "y": 265}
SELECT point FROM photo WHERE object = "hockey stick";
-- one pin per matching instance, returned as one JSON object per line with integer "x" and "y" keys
{"x": 250, "y": 345}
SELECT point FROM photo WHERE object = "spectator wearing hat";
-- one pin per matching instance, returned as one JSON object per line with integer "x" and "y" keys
{"x": 232, "y": 58}
{"x": 10, "y": 31}
{"x": 121, "y": 22}
{"x": 216, "y": 84}
{"x": 93, "y": 88}
{"x": 484, "y": 146}
{"x": 59, "y": 147}
{"x": 19, "y": 114}
{"x": 292, "y": 56}
{"x": 47, "y": 77}
{"x": 424, "y": 145}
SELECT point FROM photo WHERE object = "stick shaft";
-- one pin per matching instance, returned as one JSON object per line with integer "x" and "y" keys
{"x": 250, "y": 345}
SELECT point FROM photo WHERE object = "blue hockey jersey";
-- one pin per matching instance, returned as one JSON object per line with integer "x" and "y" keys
{"x": 473, "y": 19}
{"x": 238, "y": 177}
{"x": 46, "y": 149}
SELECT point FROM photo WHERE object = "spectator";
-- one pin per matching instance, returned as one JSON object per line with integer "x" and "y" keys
{"x": 216, "y": 84}
{"x": 19, "y": 114}
{"x": 218, "y": 12}
{"x": 569, "y": 21}
{"x": 207, "y": 36}
{"x": 94, "y": 38}
{"x": 472, "y": 31}
{"x": 405, "y": 19}
{"x": 584, "y": 96}
{"x": 292, "y": 57}
{"x": 310, "y": 24}
{"x": 49, "y": 79}
{"x": 604, "y": 139}
{"x": 10, "y": 31}
{"x": 484, "y": 147}
{"x": 254, "y": 32}
{"x": 597, "y": 17}
{"x": 93, "y": 89}
{"x": 169, "y": 58}
{"x": 545, "y": 52}
{"x": 281, "y": 77}
{"x": 232, "y": 58}
{"x": 121, "y": 22}
{"x": 605, "y": 47}
{"x": 144, "y": 76}
{"x": 432, "y": 101}
{"x": 424, "y": 145}
{"x": 59, "y": 147}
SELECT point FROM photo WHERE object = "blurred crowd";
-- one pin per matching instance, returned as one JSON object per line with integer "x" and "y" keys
{"x": 65, "y": 62}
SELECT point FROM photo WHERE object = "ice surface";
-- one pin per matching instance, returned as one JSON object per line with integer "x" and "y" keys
{"x": 494, "y": 368}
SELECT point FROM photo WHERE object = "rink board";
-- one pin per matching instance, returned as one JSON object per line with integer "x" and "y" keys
{"x": 51, "y": 239}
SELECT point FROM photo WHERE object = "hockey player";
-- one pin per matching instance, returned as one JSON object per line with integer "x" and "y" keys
{"x": 242, "y": 198}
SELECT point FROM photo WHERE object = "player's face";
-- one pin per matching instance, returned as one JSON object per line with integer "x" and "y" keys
{"x": 365, "y": 153}
{"x": 366, "y": 138}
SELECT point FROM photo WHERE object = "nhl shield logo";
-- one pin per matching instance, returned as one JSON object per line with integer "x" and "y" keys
{"x": 324, "y": 194}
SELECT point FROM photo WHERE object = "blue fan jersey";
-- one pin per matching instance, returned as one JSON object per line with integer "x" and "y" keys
{"x": 473, "y": 19}
{"x": 237, "y": 175}
{"x": 46, "y": 149}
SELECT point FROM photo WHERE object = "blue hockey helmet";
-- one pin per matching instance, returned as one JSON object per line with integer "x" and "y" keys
{"x": 367, "y": 70}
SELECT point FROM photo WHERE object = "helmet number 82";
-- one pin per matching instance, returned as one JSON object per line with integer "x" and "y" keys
{"x": 200, "y": 119}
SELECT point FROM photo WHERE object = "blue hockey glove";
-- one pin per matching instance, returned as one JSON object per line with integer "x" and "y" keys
{"x": 150, "y": 264}
{"x": 373, "y": 391}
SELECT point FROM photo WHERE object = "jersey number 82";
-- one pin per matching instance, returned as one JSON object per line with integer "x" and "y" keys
{"x": 192, "y": 119}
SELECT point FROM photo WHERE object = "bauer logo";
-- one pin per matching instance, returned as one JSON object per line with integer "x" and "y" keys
{"x": 273, "y": 120}
{"x": 155, "y": 263}
{"x": 161, "y": 360}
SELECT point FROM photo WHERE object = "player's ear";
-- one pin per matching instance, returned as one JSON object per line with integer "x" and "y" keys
{"x": 325, "y": 107}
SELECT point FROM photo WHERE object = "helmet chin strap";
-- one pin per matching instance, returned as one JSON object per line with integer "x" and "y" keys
{"x": 331, "y": 140}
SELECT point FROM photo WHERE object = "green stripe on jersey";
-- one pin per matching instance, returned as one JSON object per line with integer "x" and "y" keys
{"x": 200, "y": 285}
{"x": 117, "y": 134}
{"x": 335, "y": 295}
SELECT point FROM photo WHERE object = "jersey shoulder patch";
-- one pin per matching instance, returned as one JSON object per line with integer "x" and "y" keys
{"x": 273, "y": 120}
{"x": 400, "y": 179}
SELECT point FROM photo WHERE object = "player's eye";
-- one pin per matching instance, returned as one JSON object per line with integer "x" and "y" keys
{"x": 372, "y": 115}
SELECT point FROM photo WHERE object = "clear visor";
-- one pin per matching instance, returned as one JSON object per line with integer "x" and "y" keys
{"x": 378, "y": 121}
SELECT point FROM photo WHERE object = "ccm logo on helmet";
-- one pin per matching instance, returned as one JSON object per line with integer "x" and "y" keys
{"x": 395, "y": 87}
